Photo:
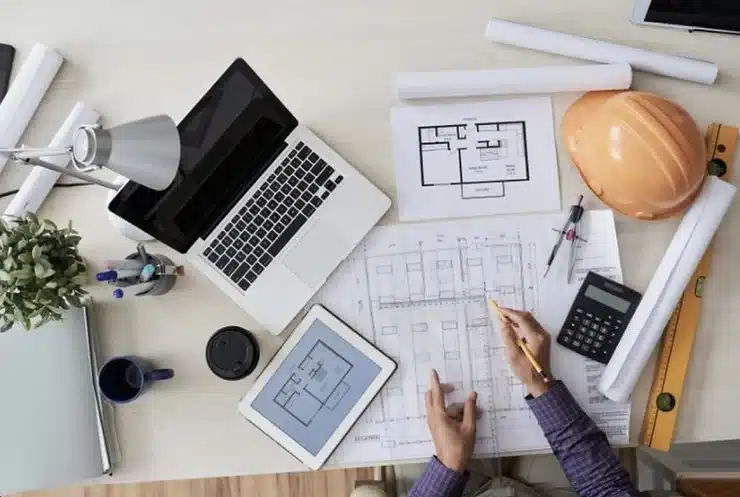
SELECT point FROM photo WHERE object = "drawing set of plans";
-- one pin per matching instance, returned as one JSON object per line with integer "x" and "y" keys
{"x": 419, "y": 293}
{"x": 475, "y": 159}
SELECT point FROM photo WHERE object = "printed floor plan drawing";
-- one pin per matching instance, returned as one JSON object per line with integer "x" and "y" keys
{"x": 478, "y": 158}
{"x": 419, "y": 292}
{"x": 317, "y": 383}
{"x": 475, "y": 159}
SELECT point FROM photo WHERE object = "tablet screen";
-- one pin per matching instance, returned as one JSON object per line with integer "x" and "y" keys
{"x": 315, "y": 388}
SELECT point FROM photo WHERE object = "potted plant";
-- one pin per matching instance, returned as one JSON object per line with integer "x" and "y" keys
{"x": 41, "y": 272}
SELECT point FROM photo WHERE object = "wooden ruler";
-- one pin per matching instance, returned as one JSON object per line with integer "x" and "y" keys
{"x": 678, "y": 338}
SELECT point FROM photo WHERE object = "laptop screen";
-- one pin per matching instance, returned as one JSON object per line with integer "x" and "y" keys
{"x": 228, "y": 139}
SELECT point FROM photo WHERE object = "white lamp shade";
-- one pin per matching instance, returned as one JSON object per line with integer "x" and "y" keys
{"x": 146, "y": 151}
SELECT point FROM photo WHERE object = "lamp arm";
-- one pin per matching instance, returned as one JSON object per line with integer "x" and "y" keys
{"x": 68, "y": 171}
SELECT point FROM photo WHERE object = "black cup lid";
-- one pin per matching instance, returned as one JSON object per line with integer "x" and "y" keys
{"x": 232, "y": 353}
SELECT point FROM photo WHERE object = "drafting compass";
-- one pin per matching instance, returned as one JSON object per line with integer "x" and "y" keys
{"x": 568, "y": 232}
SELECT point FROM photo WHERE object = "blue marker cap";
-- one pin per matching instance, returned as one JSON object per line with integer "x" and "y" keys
{"x": 106, "y": 275}
{"x": 118, "y": 293}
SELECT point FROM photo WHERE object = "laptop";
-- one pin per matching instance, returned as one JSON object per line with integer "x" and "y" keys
{"x": 260, "y": 204}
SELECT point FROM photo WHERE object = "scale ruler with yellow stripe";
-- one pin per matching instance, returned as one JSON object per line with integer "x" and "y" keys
{"x": 678, "y": 339}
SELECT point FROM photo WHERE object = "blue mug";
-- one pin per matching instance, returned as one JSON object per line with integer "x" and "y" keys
{"x": 124, "y": 379}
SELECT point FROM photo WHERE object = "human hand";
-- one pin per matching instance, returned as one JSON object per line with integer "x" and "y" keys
{"x": 522, "y": 324}
{"x": 452, "y": 427}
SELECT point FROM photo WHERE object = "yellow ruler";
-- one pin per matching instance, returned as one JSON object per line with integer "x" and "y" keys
{"x": 678, "y": 339}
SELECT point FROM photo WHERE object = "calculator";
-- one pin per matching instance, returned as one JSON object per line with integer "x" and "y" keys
{"x": 598, "y": 317}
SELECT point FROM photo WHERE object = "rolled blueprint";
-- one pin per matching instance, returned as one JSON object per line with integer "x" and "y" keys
{"x": 25, "y": 94}
{"x": 579, "y": 47}
{"x": 694, "y": 233}
{"x": 553, "y": 79}
{"x": 40, "y": 180}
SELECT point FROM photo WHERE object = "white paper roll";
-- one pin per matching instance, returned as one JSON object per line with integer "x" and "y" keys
{"x": 25, "y": 94}
{"x": 579, "y": 47}
{"x": 40, "y": 180}
{"x": 694, "y": 233}
{"x": 552, "y": 79}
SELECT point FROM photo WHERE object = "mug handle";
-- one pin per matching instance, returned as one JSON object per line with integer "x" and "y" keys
{"x": 162, "y": 374}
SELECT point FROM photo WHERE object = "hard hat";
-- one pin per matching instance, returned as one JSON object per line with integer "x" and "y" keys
{"x": 641, "y": 154}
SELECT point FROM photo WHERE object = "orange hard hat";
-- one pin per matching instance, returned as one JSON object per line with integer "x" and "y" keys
{"x": 641, "y": 154}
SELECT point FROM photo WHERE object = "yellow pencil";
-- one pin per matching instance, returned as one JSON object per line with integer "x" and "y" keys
{"x": 520, "y": 341}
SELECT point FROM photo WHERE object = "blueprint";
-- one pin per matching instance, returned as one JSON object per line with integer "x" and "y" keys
{"x": 475, "y": 159}
{"x": 419, "y": 293}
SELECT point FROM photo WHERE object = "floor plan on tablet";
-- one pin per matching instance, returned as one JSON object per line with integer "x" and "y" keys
{"x": 477, "y": 158}
{"x": 316, "y": 383}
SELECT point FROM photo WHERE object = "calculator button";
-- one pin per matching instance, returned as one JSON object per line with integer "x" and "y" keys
{"x": 597, "y": 318}
{"x": 576, "y": 343}
{"x": 595, "y": 326}
{"x": 580, "y": 337}
{"x": 583, "y": 329}
{"x": 589, "y": 341}
{"x": 566, "y": 339}
{"x": 586, "y": 322}
{"x": 600, "y": 338}
{"x": 589, "y": 315}
{"x": 569, "y": 332}
{"x": 592, "y": 334}
{"x": 576, "y": 318}
{"x": 579, "y": 311}
{"x": 604, "y": 329}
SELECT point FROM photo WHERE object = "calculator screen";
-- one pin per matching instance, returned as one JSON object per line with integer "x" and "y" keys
{"x": 606, "y": 298}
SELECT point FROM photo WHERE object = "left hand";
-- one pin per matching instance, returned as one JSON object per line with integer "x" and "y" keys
{"x": 453, "y": 432}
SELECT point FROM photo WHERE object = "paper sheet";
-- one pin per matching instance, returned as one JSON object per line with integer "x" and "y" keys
{"x": 475, "y": 159}
{"x": 547, "y": 79}
{"x": 686, "y": 249}
{"x": 419, "y": 293}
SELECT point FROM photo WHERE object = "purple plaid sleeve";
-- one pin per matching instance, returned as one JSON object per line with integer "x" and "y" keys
{"x": 439, "y": 481}
{"x": 581, "y": 447}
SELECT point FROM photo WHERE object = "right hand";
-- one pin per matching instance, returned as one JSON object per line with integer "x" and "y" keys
{"x": 523, "y": 324}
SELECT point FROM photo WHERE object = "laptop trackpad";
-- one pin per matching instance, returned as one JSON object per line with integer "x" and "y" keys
{"x": 317, "y": 254}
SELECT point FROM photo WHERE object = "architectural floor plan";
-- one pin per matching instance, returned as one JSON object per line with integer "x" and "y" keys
{"x": 316, "y": 383}
{"x": 475, "y": 159}
{"x": 419, "y": 293}
{"x": 479, "y": 158}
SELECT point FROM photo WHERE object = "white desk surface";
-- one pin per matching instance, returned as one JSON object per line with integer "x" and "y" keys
{"x": 332, "y": 62}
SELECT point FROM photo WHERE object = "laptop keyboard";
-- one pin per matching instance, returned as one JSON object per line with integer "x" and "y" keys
{"x": 272, "y": 216}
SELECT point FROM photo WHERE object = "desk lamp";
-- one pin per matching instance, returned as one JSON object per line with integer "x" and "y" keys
{"x": 146, "y": 151}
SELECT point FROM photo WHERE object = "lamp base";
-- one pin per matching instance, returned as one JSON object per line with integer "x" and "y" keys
{"x": 124, "y": 227}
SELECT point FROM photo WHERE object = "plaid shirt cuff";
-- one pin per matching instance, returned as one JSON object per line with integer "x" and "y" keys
{"x": 555, "y": 408}
{"x": 439, "y": 481}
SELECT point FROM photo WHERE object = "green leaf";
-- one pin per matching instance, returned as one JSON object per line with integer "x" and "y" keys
{"x": 25, "y": 258}
{"x": 4, "y": 276}
{"x": 36, "y": 253}
{"x": 75, "y": 301}
{"x": 7, "y": 325}
{"x": 49, "y": 273}
{"x": 29, "y": 305}
{"x": 80, "y": 279}
{"x": 39, "y": 270}
{"x": 53, "y": 284}
{"x": 8, "y": 263}
{"x": 71, "y": 270}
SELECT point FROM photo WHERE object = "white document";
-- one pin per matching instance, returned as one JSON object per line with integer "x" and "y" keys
{"x": 546, "y": 79}
{"x": 419, "y": 293}
{"x": 683, "y": 255}
{"x": 475, "y": 159}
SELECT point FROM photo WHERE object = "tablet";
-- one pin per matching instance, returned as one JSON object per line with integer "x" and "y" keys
{"x": 316, "y": 387}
